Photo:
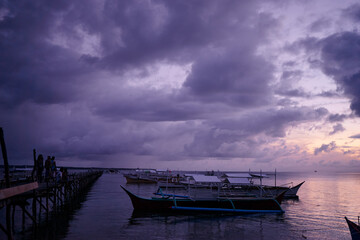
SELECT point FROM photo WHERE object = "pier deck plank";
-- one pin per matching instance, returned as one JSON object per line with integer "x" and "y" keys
{"x": 12, "y": 191}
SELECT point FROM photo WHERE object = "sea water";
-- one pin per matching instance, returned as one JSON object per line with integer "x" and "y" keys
{"x": 106, "y": 212}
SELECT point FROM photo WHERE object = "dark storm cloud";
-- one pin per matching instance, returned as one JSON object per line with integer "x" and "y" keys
{"x": 340, "y": 54}
{"x": 272, "y": 122}
{"x": 53, "y": 54}
{"x": 238, "y": 137}
{"x": 329, "y": 94}
{"x": 151, "y": 105}
{"x": 337, "y": 117}
{"x": 30, "y": 67}
{"x": 325, "y": 148}
{"x": 352, "y": 12}
{"x": 339, "y": 59}
{"x": 176, "y": 30}
{"x": 38, "y": 40}
{"x": 233, "y": 76}
{"x": 66, "y": 80}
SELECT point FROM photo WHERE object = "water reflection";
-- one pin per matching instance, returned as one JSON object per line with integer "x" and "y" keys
{"x": 203, "y": 226}
{"x": 56, "y": 226}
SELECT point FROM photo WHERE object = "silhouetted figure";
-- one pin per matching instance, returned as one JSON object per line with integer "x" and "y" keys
{"x": 58, "y": 175}
{"x": 53, "y": 166}
{"x": 48, "y": 168}
{"x": 40, "y": 167}
{"x": 64, "y": 174}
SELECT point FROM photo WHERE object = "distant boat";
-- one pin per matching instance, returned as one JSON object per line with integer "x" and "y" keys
{"x": 177, "y": 203}
{"x": 141, "y": 176}
{"x": 238, "y": 183}
{"x": 354, "y": 229}
{"x": 139, "y": 179}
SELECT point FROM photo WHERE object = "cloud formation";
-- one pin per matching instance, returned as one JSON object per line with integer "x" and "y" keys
{"x": 340, "y": 55}
{"x": 337, "y": 128}
{"x": 110, "y": 82}
{"x": 325, "y": 148}
{"x": 355, "y": 136}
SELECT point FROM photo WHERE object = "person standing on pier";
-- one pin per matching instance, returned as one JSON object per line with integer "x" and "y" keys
{"x": 48, "y": 168}
{"x": 58, "y": 176}
{"x": 53, "y": 166}
{"x": 40, "y": 167}
{"x": 64, "y": 174}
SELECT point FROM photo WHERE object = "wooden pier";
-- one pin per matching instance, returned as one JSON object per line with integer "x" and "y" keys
{"x": 36, "y": 200}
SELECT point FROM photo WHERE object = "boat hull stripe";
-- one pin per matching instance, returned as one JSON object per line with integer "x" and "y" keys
{"x": 226, "y": 210}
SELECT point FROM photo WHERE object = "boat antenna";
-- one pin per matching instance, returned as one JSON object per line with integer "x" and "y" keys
{"x": 275, "y": 177}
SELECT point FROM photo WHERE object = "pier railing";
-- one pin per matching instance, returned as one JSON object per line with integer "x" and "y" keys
{"x": 46, "y": 197}
{"x": 36, "y": 200}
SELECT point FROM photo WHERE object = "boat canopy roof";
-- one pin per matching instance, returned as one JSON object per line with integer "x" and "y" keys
{"x": 204, "y": 179}
{"x": 256, "y": 175}
{"x": 146, "y": 170}
{"x": 238, "y": 180}
{"x": 238, "y": 175}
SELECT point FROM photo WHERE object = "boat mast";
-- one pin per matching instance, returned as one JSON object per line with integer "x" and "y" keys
{"x": 260, "y": 183}
{"x": 167, "y": 179}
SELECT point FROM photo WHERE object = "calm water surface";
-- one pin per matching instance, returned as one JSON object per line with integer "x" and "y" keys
{"x": 107, "y": 213}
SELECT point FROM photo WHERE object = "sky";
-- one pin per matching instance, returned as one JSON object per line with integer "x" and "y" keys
{"x": 184, "y": 85}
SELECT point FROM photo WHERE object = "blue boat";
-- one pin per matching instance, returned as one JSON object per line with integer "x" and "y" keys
{"x": 177, "y": 203}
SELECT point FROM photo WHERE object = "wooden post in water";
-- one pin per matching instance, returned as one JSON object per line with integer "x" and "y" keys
{"x": 34, "y": 176}
{"x": 6, "y": 163}
{"x": 7, "y": 184}
{"x": 33, "y": 173}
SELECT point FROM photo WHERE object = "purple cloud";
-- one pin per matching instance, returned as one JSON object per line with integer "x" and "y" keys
{"x": 352, "y": 12}
{"x": 240, "y": 136}
{"x": 355, "y": 136}
{"x": 340, "y": 54}
{"x": 79, "y": 80}
{"x": 232, "y": 76}
{"x": 337, "y": 117}
{"x": 337, "y": 128}
{"x": 320, "y": 24}
{"x": 325, "y": 148}
{"x": 339, "y": 59}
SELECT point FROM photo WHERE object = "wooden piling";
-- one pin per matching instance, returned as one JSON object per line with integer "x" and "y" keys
{"x": 7, "y": 183}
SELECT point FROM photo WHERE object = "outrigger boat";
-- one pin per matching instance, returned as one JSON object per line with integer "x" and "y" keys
{"x": 238, "y": 183}
{"x": 354, "y": 229}
{"x": 176, "y": 203}
{"x": 264, "y": 191}
{"x": 141, "y": 176}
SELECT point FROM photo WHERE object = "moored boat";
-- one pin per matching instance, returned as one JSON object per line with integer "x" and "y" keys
{"x": 239, "y": 183}
{"x": 175, "y": 203}
{"x": 141, "y": 176}
{"x": 354, "y": 229}
{"x": 290, "y": 193}
{"x": 264, "y": 190}
{"x": 138, "y": 179}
